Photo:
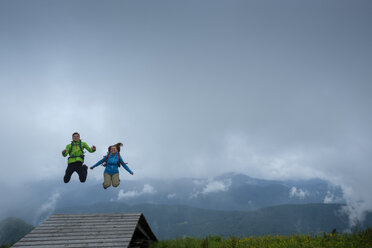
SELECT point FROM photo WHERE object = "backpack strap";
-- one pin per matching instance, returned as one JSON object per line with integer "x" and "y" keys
{"x": 72, "y": 144}
{"x": 105, "y": 162}
{"x": 119, "y": 159}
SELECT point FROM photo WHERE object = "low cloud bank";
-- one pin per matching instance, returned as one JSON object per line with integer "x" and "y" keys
{"x": 147, "y": 189}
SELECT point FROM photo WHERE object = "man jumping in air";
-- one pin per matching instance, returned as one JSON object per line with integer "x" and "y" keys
{"x": 76, "y": 159}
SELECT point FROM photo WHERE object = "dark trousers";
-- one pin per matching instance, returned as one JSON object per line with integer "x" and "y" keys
{"x": 79, "y": 169}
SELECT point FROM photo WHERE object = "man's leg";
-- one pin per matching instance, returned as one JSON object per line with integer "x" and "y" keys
{"x": 115, "y": 180}
{"x": 68, "y": 173}
{"x": 82, "y": 171}
{"x": 106, "y": 180}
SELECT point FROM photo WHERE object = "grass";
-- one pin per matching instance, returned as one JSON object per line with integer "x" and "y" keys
{"x": 358, "y": 239}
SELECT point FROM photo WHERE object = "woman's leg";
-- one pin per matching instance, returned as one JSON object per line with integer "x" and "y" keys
{"x": 106, "y": 180}
{"x": 115, "y": 180}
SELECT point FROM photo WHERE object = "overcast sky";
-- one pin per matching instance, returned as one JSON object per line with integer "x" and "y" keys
{"x": 272, "y": 89}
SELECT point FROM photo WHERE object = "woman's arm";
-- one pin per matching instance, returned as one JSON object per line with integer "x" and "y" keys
{"x": 125, "y": 166}
{"x": 99, "y": 162}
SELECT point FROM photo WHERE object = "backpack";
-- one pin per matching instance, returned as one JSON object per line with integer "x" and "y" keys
{"x": 81, "y": 149}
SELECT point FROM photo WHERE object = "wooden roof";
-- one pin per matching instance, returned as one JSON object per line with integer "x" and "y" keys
{"x": 90, "y": 230}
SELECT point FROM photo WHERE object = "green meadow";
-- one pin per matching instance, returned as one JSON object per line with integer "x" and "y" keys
{"x": 358, "y": 239}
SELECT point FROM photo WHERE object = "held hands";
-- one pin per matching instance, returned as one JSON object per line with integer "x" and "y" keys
{"x": 93, "y": 148}
{"x": 91, "y": 167}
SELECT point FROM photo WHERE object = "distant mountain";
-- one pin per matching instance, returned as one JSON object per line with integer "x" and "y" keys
{"x": 228, "y": 192}
{"x": 169, "y": 222}
{"x": 12, "y": 230}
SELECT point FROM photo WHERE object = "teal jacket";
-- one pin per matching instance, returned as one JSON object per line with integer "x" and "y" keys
{"x": 112, "y": 164}
{"x": 76, "y": 153}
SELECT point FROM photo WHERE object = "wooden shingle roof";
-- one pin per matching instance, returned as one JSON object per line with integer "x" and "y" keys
{"x": 90, "y": 230}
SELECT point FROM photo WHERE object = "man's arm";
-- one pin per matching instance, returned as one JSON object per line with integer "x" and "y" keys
{"x": 89, "y": 149}
{"x": 65, "y": 151}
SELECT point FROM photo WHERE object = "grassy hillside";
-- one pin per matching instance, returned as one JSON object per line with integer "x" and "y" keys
{"x": 12, "y": 230}
{"x": 361, "y": 239}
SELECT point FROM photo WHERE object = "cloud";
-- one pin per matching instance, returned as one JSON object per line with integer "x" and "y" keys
{"x": 171, "y": 196}
{"x": 216, "y": 186}
{"x": 128, "y": 194}
{"x": 213, "y": 186}
{"x": 331, "y": 198}
{"x": 356, "y": 216}
{"x": 357, "y": 204}
{"x": 147, "y": 189}
{"x": 299, "y": 193}
{"x": 198, "y": 182}
{"x": 47, "y": 208}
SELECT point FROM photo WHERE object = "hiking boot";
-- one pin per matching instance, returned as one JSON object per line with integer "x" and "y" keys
{"x": 103, "y": 184}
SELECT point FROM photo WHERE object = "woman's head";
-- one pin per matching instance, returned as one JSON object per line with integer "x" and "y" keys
{"x": 115, "y": 148}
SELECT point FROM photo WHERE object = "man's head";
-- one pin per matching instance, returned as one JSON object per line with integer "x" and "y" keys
{"x": 76, "y": 136}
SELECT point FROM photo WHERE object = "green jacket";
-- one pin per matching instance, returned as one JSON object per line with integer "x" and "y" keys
{"x": 76, "y": 151}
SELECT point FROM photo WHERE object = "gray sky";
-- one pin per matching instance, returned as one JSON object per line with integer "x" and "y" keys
{"x": 272, "y": 89}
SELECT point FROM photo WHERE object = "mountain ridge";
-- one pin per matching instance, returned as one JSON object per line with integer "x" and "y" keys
{"x": 13, "y": 229}
{"x": 172, "y": 221}
{"x": 229, "y": 191}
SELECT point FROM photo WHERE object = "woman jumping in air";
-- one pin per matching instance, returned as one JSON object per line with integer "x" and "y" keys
{"x": 112, "y": 161}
